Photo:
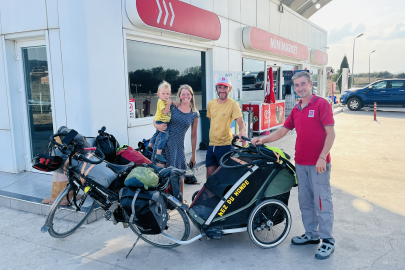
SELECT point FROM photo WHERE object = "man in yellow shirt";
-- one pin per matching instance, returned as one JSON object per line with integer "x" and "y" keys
{"x": 221, "y": 112}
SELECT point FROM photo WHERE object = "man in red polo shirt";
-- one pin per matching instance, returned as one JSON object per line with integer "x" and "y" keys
{"x": 313, "y": 121}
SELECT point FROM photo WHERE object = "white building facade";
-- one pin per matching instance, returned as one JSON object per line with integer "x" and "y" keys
{"x": 92, "y": 63}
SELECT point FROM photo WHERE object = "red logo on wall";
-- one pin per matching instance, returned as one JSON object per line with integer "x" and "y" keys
{"x": 175, "y": 16}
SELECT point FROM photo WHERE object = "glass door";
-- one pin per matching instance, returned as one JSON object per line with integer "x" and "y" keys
{"x": 37, "y": 99}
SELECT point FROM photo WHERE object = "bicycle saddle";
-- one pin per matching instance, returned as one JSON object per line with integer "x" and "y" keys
{"x": 119, "y": 169}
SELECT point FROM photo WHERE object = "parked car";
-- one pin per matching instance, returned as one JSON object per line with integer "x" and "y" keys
{"x": 253, "y": 81}
{"x": 389, "y": 92}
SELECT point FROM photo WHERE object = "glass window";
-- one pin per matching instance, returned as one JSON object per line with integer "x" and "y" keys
{"x": 150, "y": 64}
{"x": 38, "y": 98}
{"x": 314, "y": 79}
{"x": 380, "y": 85}
{"x": 397, "y": 84}
{"x": 253, "y": 74}
{"x": 288, "y": 72}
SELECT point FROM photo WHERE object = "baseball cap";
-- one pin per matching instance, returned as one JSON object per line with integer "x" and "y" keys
{"x": 224, "y": 81}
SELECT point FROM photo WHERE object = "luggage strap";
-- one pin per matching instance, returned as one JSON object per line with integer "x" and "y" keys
{"x": 132, "y": 217}
{"x": 158, "y": 206}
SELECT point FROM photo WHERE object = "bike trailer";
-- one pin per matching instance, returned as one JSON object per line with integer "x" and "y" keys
{"x": 146, "y": 209}
{"x": 245, "y": 178}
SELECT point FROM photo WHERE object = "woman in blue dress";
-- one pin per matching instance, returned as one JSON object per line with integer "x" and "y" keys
{"x": 182, "y": 117}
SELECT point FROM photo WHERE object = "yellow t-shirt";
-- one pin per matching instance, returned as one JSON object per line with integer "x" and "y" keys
{"x": 164, "y": 117}
{"x": 222, "y": 116}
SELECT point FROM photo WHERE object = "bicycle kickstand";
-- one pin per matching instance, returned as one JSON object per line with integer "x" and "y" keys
{"x": 133, "y": 245}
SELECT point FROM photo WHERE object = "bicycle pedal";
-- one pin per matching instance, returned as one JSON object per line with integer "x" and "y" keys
{"x": 125, "y": 225}
{"x": 109, "y": 216}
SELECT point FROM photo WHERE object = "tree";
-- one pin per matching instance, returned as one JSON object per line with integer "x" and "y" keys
{"x": 344, "y": 64}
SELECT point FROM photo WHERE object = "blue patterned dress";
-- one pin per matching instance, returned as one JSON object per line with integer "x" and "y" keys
{"x": 174, "y": 151}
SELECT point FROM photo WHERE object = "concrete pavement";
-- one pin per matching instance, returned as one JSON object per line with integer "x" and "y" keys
{"x": 368, "y": 194}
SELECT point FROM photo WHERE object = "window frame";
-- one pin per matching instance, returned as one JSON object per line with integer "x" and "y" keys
{"x": 386, "y": 84}
{"x": 402, "y": 86}
{"x": 256, "y": 75}
{"x": 157, "y": 40}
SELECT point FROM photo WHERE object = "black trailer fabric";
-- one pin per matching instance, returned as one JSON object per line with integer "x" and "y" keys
{"x": 246, "y": 191}
{"x": 220, "y": 182}
{"x": 205, "y": 203}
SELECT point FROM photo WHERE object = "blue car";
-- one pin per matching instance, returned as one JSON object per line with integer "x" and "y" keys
{"x": 385, "y": 92}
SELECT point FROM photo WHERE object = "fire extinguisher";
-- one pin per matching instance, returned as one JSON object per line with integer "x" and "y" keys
{"x": 146, "y": 106}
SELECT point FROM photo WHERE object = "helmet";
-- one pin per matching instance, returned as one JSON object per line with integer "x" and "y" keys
{"x": 47, "y": 163}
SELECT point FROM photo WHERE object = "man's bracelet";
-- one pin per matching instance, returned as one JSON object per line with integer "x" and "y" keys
{"x": 322, "y": 158}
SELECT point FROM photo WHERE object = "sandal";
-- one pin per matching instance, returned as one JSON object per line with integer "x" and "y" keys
{"x": 325, "y": 250}
{"x": 304, "y": 240}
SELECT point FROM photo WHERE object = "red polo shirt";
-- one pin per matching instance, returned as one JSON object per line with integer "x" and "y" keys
{"x": 309, "y": 122}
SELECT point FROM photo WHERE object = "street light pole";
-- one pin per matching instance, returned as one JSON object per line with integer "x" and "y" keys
{"x": 369, "y": 66}
{"x": 136, "y": 87}
{"x": 354, "y": 42}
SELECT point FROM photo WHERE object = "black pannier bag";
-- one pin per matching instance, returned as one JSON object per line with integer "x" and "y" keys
{"x": 107, "y": 144}
{"x": 146, "y": 209}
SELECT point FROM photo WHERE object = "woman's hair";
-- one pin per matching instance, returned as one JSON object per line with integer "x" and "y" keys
{"x": 164, "y": 84}
{"x": 192, "y": 101}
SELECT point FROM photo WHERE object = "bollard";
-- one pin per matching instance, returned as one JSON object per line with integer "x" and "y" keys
{"x": 375, "y": 111}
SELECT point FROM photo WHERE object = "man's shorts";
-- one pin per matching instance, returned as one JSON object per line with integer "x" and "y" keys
{"x": 214, "y": 154}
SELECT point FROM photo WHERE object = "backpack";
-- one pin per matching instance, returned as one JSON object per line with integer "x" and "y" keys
{"x": 146, "y": 209}
{"x": 107, "y": 144}
{"x": 127, "y": 154}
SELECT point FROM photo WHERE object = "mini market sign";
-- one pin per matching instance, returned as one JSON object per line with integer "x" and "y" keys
{"x": 260, "y": 40}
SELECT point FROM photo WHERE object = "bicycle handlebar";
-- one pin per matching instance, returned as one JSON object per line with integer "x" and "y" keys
{"x": 101, "y": 156}
{"x": 63, "y": 148}
{"x": 237, "y": 138}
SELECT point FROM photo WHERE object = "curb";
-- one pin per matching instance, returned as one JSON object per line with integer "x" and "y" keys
{"x": 337, "y": 111}
{"x": 30, "y": 204}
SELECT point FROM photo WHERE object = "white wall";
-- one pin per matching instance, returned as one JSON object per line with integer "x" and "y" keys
{"x": 15, "y": 112}
{"x": 6, "y": 149}
{"x": 22, "y": 15}
{"x": 86, "y": 46}
{"x": 93, "y": 66}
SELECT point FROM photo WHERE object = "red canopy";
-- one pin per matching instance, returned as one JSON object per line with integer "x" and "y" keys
{"x": 270, "y": 96}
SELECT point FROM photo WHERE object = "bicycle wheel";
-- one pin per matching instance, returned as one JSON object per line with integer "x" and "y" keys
{"x": 64, "y": 219}
{"x": 269, "y": 223}
{"x": 178, "y": 226}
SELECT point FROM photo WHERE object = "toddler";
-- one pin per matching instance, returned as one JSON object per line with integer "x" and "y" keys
{"x": 162, "y": 117}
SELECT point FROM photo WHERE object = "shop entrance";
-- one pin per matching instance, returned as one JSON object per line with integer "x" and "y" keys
{"x": 35, "y": 97}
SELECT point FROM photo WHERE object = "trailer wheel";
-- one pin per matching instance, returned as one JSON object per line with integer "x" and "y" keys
{"x": 269, "y": 223}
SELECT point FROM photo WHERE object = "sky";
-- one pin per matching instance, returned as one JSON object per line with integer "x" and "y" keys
{"x": 383, "y": 25}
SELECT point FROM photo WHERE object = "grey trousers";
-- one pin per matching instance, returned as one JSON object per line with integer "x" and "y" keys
{"x": 315, "y": 198}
